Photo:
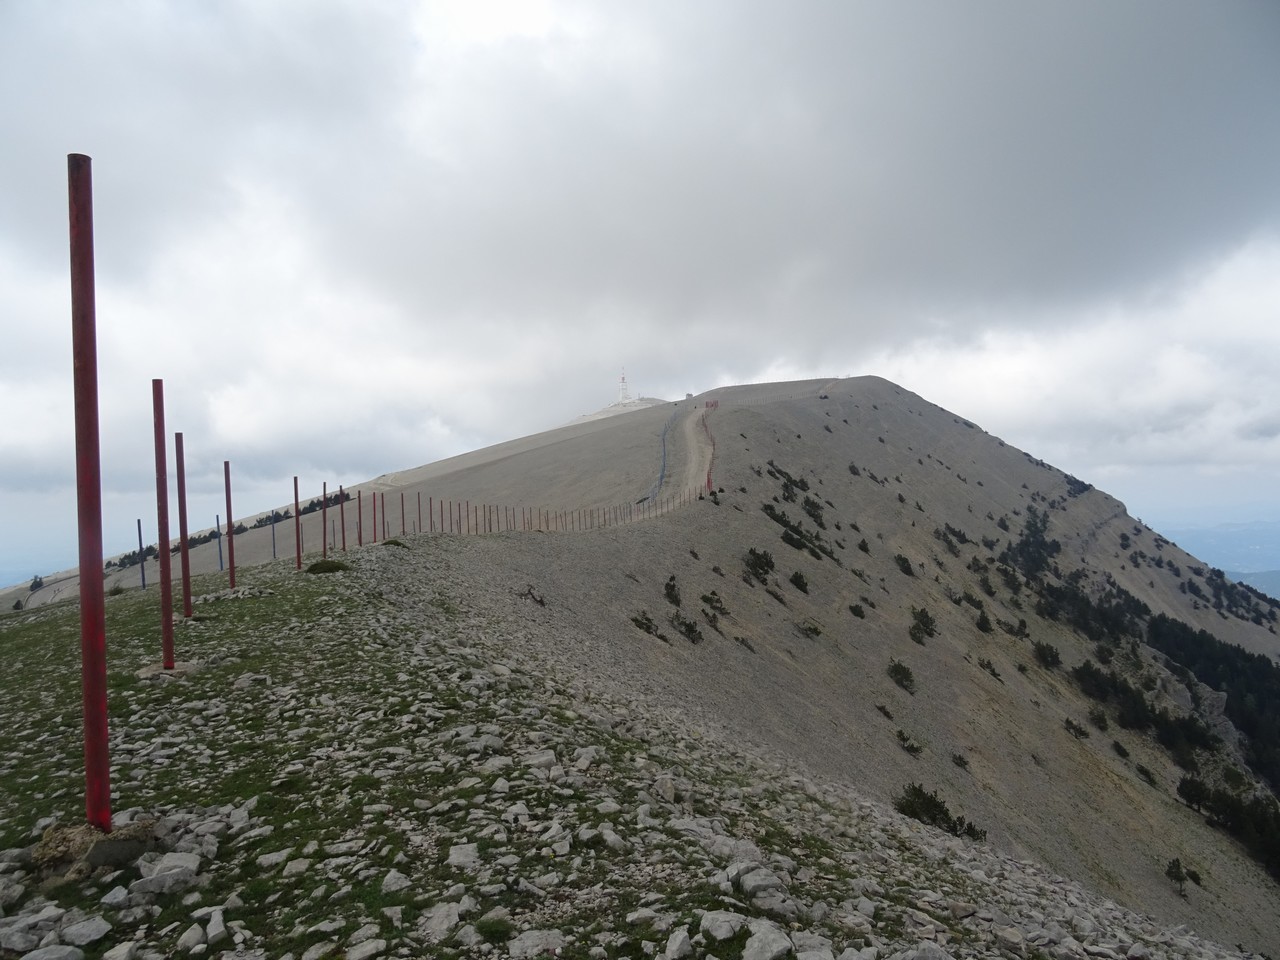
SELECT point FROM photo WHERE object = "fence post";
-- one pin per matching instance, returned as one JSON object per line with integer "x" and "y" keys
{"x": 324, "y": 520}
{"x": 342, "y": 515}
{"x": 419, "y": 530}
{"x": 142, "y": 558}
{"x": 162, "y": 526}
{"x": 375, "y": 516}
{"x": 297, "y": 525}
{"x": 184, "y": 552}
{"x": 402, "y": 529}
{"x": 84, "y": 361}
{"x": 231, "y": 533}
{"x": 359, "y": 518}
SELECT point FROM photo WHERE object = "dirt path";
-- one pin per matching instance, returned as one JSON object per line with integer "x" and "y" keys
{"x": 700, "y": 449}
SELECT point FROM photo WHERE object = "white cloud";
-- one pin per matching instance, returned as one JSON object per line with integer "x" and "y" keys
{"x": 358, "y": 236}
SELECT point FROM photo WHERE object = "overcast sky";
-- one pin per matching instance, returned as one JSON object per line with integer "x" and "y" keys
{"x": 359, "y": 236}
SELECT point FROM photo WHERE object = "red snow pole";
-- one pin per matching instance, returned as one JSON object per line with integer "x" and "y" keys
{"x": 375, "y": 517}
{"x": 231, "y": 533}
{"x": 402, "y": 529}
{"x": 84, "y": 359}
{"x": 359, "y": 518}
{"x": 184, "y": 553}
{"x": 297, "y": 523}
{"x": 420, "y": 511}
{"x": 342, "y": 516}
{"x": 162, "y": 526}
{"x": 324, "y": 520}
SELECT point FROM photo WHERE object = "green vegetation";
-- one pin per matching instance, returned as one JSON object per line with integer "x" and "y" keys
{"x": 327, "y": 566}
{"x": 686, "y": 628}
{"x": 1073, "y": 728}
{"x": 671, "y": 591}
{"x": 1180, "y": 735}
{"x": 799, "y": 582}
{"x": 814, "y": 509}
{"x": 922, "y": 625}
{"x": 795, "y": 535}
{"x": 927, "y": 807}
{"x": 901, "y": 674}
{"x": 645, "y": 623}
{"x": 759, "y": 564}
{"x": 1250, "y": 681}
{"x": 904, "y": 564}
{"x": 1034, "y": 552}
{"x": 1047, "y": 654}
{"x": 713, "y": 601}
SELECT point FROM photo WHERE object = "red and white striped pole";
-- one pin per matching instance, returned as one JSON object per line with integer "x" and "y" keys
{"x": 84, "y": 361}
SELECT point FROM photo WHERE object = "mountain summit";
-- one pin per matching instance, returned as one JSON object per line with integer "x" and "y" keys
{"x": 836, "y": 582}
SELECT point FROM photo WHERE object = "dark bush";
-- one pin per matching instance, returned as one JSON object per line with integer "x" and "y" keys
{"x": 1047, "y": 654}
{"x": 927, "y": 807}
{"x": 759, "y": 563}
{"x": 327, "y": 566}
{"x": 901, "y": 674}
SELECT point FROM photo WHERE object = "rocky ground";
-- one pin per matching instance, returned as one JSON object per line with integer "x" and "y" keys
{"x": 359, "y": 765}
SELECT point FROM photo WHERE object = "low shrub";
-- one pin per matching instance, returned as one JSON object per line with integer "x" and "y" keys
{"x": 927, "y": 807}
{"x": 759, "y": 563}
{"x": 901, "y": 674}
{"x": 327, "y": 566}
{"x": 1047, "y": 654}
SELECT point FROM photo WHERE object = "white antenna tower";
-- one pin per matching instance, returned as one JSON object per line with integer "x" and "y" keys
{"x": 623, "y": 395}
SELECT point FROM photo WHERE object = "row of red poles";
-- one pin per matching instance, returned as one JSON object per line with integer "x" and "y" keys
{"x": 462, "y": 516}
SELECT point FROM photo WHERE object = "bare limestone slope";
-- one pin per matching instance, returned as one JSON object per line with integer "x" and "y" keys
{"x": 806, "y": 679}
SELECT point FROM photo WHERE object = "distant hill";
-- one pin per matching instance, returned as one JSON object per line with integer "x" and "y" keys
{"x": 1268, "y": 581}
{"x": 1248, "y": 547}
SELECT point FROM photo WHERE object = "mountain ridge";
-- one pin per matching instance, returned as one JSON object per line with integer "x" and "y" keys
{"x": 809, "y": 473}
